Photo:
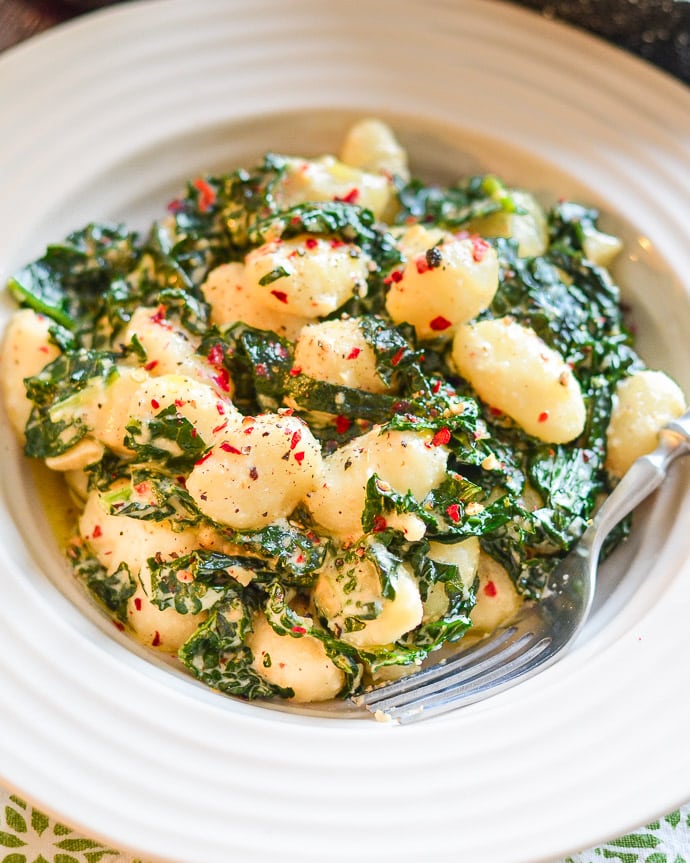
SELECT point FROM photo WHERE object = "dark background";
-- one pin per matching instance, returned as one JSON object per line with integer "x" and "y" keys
{"x": 658, "y": 30}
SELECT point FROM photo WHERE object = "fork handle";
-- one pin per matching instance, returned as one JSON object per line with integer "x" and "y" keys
{"x": 642, "y": 478}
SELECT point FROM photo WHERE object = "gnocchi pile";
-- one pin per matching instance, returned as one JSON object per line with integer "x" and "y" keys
{"x": 324, "y": 420}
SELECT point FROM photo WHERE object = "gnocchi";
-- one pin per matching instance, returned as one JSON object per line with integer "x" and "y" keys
{"x": 526, "y": 225}
{"x": 515, "y": 372}
{"x": 644, "y": 403}
{"x": 307, "y": 276}
{"x": 299, "y": 663}
{"x": 350, "y": 596}
{"x": 258, "y": 472}
{"x": 116, "y": 539}
{"x": 170, "y": 349}
{"x": 328, "y": 178}
{"x": 338, "y": 352}
{"x": 26, "y": 349}
{"x": 407, "y": 461}
{"x": 446, "y": 281}
{"x": 371, "y": 145}
{"x": 231, "y": 300}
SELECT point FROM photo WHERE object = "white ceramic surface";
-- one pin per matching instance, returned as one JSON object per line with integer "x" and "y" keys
{"x": 105, "y": 118}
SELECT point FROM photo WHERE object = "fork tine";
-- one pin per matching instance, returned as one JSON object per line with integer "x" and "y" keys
{"x": 488, "y": 665}
{"x": 437, "y": 672}
{"x": 471, "y": 659}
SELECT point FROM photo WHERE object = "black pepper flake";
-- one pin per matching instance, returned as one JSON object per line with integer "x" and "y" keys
{"x": 348, "y": 464}
{"x": 434, "y": 257}
{"x": 253, "y": 473}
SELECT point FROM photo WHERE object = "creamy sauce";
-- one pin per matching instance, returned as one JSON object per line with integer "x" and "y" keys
{"x": 56, "y": 501}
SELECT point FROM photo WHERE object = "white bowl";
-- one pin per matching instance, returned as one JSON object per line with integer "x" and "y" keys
{"x": 105, "y": 118}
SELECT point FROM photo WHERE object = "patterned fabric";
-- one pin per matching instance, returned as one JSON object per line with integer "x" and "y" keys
{"x": 29, "y": 836}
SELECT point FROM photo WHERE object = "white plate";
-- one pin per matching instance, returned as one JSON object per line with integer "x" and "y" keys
{"x": 105, "y": 118}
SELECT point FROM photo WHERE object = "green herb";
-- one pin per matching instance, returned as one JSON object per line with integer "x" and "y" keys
{"x": 196, "y": 581}
{"x": 168, "y": 439}
{"x": 453, "y": 206}
{"x": 217, "y": 655}
{"x": 60, "y": 395}
{"x": 111, "y": 589}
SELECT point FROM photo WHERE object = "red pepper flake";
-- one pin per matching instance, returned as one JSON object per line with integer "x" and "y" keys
{"x": 490, "y": 589}
{"x": 295, "y": 370}
{"x": 150, "y": 366}
{"x": 207, "y": 195}
{"x": 342, "y": 424}
{"x": 175, "y": 206}
{"x": 281, "y": 296}
{"x": 299, "y": 457}
{"x": 299, "y": 629}
{"x": 181, "y": 481}
{"x": 354, "y": 353}
{"x": 296, "y": 438}
{"x": 119, "y": 626}
{"x": 453, "y": 512}
{"x": 439, "y": 323}
{"x": 543, "y": 416}
{"x": 436, "y": 387}
{"x": 261, "y": 370}
{"x": 441, "y": 437}
{"x": 97, "y": 532}
{"x": 249, "y": 430}
{"x": 156, "y": 639}
{"x": 204, "y": 457}
{"x": 158, "y": 317}
{"x": 403, "y": 407}
{"x": 227, "y": 447}
{"x": 43, "y": 349}
{"x": 220, "y": 407}
{"x": 220, "y": 428}
{"x": 216, "y": 355}
{"x": 155, "y": 404}
{"x": 495, "y": 412}
{"x": 142, "y": 487}
{"x": 253, "y": 473}
{"x": 311, "y": 242}
{"x": 336, "y": 243}
{"x": 479, "y": 249}
{"x": 299, "y": 558}
{"x": 222, "y": 380}
{"x": 137, "y": 603}
{"x": 422, "y": 265}
{"x": 397, "y": 356}
{"x": 350, "y": 198}
{"x": 179, "y": 403}
{"x": 393, "y": 278}
{"x": 380, "y": 524}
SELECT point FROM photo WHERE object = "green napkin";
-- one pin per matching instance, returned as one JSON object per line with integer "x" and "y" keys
{"x": 29, "y": 836}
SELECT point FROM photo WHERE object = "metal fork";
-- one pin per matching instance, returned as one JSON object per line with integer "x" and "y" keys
{"x": 542, "y": 629}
